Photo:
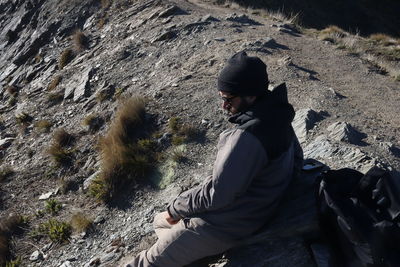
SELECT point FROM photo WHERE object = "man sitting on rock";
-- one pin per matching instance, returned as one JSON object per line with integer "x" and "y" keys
{"x": 254, "y": 165}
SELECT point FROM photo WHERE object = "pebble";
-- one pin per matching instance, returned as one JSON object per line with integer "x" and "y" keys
{"x": 45, "y": 196}
{"x": 66, "y": 264}
{"x": 35, "y": 256}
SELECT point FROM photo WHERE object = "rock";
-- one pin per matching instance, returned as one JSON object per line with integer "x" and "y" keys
{"x": 6, "y": 142}
{"x": 89, "y": 180}
{"x": 108, "y": 257}
{"x": 66, "y": 264}
{"x": 46, "y": 196}
{"x": 35, "y": 256}
{"x": 99, "y": 220}
{"x": 344, "y": 132}
{"x": 243, "y": 19}
{"x": 79, "y": 88}
{"x": 219, "y": 39}
{"x": 304, "y": 121}
{"x": 335, "y": 155}
{"x": 164, "y": 36}
{"x": 209, "y": 18}
{"x": 285, "y": 61}
{"x": 172, "y": 10}
{"x": 389, "y": 147}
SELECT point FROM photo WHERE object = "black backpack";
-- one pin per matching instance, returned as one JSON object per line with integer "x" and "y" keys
{"x": 359, "y": 217}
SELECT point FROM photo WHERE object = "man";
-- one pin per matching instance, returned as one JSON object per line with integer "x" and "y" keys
{"x": 254, "y": 165}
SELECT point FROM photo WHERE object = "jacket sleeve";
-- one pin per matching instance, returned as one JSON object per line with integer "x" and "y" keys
{"x": 240, "y": 157}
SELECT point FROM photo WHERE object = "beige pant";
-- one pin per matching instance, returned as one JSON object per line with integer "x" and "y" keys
{"x": 179, "y": 244}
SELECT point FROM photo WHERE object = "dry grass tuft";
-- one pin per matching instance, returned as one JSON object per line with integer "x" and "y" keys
{"x": 80, "y": 40}
{"x": 62, "y": 138}
{"x": 53, "y": 84}
{"x": 93, "y": 122}
{"x": 60, "y": 155}
{"x": 6, "y": 172}
{"x": 55, "y": 98}
{"x": 8, "y": 227}
{"x": 122, "y": 159}
{"x": 181, "y": 132}
{"x": 80, "y": 223}
{"x": 332, "y": 34}
{"x": 66, "y": 56}
{"x": 12, "y": 90}
{"x": 43, "y": 126}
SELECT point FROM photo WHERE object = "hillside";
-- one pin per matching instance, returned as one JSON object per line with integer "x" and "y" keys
{"x": 55, "y": 80}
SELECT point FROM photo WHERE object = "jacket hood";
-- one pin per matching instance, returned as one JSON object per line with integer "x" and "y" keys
{"x": 273, "y": 106}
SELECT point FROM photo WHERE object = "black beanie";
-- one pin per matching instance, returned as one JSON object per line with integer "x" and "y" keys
{"x": 243, "y": 76}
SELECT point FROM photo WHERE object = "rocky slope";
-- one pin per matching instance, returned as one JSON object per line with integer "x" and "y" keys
{"x": 169, "y": 52}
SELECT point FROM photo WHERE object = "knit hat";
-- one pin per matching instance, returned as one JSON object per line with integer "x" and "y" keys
{"x": 243, "y": 76}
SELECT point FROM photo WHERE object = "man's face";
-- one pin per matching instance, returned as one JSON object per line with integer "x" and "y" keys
{"x": 234, "y": 104}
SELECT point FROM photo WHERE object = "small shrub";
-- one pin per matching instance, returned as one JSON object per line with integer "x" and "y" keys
{"x": 43, "y": 126}
{"x": 177, "y": 155}
{"x": 62, "y": 138}
{"x": 23, "y": 118}
{"x": 178, "y": 140}
{"x": 55, "y": 98}
{"x": 38, "y": 58}
{"x": 123, "y": 160}
{"x": 53, "y": 84}
{"x": 12, "y": 101}
{"x": 12, "y": 90}
{"x": 52, "y": 206}
{"x": 55, "y": 230}
{"x": 14, "y": 263}
{"x": 101, "y": 22}
{"x": 6, "y": 172}
{"x": 9, "y": 227}
{"x": 173, "y": 124}
{"x": 66, "y": 56}
{"x": 105, "y": 4}
{"x": 80, "y": 41}
{"x": 61, "y": 156}
{"x": 93, "y": 122}
{"x": 118, "y": 92}
{"x": 80, "y": 223}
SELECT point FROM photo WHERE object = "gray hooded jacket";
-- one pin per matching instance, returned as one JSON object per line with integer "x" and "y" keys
{"x": 254, "y": 165}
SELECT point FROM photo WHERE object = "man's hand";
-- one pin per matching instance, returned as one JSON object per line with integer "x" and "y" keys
{"x": 169, "y": 219}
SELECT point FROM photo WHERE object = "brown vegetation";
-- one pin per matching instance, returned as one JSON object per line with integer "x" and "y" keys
{"x": 53, "y": 84}
{"x": 80, "y": 223}
{"x": 80, "y": 41}
{"x": 123, "y": 157}
{"x": 66, "y": 56}
{"x": 9, "y": 227}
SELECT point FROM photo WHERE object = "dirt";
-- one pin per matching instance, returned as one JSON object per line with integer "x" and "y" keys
{"x": 178, "y": 77}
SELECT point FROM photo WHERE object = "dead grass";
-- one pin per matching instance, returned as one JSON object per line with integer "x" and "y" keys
{"x": 55, "y": 98}
{"x": 93, "y": 122}
{"x": 9, "y": 227}
{"x": 62, "y": 138}
{"x": 80, "y": 41}
{"x": 122, "y": 159}
{"x": 181, "y": 133}
{"x": 61, "y": 156}
{"x": 5, "y": 172}
{"x": 12, "y": 90}
{"x": 80, "y": 222}
{"x": 53, "y": 84}
{"x": 43, "y": 126}
{"x": 66, "y": 57}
